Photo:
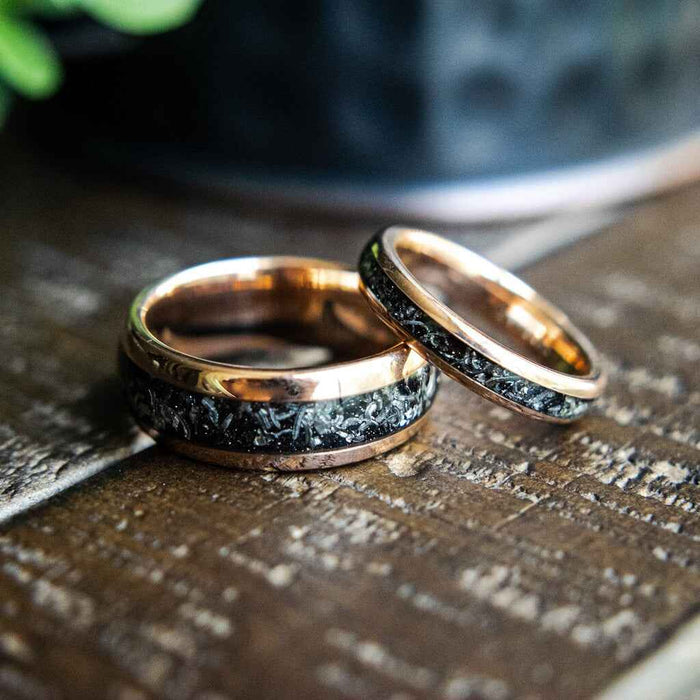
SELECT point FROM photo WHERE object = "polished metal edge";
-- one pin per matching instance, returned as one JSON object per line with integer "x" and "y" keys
{"x": 256, "y": 384}
{"x": 289, "y": 462}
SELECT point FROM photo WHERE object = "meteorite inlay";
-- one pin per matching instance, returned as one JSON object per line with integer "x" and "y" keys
{"x": 417, "y": 324}
{"x": 277, "y": 428}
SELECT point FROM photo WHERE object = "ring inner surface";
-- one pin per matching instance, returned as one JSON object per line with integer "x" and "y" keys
{"x": 509, "y": 318}
{"x": 277, "y": 319}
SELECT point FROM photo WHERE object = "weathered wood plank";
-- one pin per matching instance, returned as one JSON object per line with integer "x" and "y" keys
{"x": 75, "y": 249}
{"x": 492, "y": 557}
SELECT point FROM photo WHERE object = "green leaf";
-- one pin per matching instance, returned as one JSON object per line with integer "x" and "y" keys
{"x": 40, "y": 8}
{"x": 141, "y": 16}
{"x": 28, "y": 63}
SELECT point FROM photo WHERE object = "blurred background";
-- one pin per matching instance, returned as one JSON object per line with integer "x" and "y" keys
{"x": 450, "y": 110}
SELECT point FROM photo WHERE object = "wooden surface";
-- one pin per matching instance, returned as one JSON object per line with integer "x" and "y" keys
{"x": 492, "y": 557}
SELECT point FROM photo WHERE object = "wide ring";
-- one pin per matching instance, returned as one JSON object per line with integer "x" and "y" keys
{"x": 557, "y": 385}
{"x": 264, "y": 418}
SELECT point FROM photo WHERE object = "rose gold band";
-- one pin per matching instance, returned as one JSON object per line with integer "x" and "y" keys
{"x": 186, "y": 391}
{"x": 224, "y": 278}
{"x": 289, "y": 462}
{"x": 554, "y": 379}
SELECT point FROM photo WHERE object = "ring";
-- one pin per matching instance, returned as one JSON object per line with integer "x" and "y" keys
{"x": 532, "y": 359}
{"x": 270, "y": 363}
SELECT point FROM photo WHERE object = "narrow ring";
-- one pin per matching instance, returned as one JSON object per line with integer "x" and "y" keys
{"x": 558, "y": 386}
{"x": 265, "y": 418}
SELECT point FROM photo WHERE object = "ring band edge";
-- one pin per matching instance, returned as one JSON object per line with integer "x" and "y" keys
{"x": 258, "y": 461}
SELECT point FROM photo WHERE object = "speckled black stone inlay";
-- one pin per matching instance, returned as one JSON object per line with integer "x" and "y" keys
{"x": 459, "y": 355}
{"x": 266, "y": 427}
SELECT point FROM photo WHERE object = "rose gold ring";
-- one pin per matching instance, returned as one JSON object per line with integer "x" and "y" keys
{"x": 481, "y": 325}
{"x": 270, "y": 363}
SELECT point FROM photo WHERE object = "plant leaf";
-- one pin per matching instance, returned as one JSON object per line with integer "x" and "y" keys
{"x": 28, "y": 62}
{"x": 141, "y": 16}
{"x": 40, "y": 8}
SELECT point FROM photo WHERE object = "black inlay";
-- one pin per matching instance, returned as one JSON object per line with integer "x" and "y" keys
{"x": 276, "y": 427}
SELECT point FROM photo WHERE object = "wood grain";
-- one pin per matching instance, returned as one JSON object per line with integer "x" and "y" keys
{"x": 492, "y": 557}
{"x": 76, "y": 247}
